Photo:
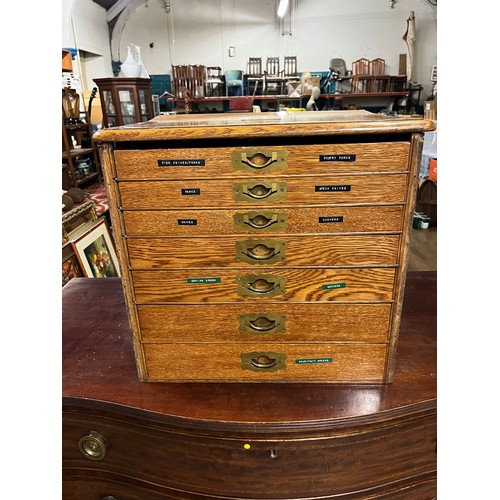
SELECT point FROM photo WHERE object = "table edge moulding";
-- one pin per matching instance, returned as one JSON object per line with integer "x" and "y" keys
{"x": 241, "y": 441}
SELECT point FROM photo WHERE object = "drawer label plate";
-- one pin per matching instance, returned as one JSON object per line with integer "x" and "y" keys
{"x": 181, "y": 163}
{"x": 313, "y": 360}
{"x": 203, "y": 280}
{"x": 321, "y": 189}
{"x": 187, "y": 222}
{"x": 348, "y": 157}
{"x": 190, "y": 191}
{"x": 333, "y": 286}
{"x": 337, "y": 218}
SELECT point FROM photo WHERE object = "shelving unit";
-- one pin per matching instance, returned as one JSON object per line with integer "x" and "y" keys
{"x": 72, "y": 176}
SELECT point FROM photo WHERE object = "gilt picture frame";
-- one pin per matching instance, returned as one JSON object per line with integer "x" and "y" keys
{"x": 96, "y": 252}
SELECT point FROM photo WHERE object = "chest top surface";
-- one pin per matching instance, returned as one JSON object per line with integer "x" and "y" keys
{"x": 270, "y": 124}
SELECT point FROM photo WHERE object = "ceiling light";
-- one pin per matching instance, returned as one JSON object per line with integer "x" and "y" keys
{"x": 282, "y": 8}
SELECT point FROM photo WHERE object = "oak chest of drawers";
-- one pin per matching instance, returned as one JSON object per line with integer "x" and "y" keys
{"x": 264, "y": 247}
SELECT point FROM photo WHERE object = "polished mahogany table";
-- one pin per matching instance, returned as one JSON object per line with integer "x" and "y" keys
{"x": 126, "y": 439}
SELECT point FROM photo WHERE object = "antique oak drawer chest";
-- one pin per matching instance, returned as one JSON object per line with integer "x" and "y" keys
{"x": 264, "y": 247}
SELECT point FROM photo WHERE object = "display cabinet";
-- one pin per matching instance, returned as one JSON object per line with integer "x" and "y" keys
{"x": 125, "y": 100}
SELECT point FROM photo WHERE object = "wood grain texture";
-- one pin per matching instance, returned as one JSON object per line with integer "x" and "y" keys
{"x": 360, "y": 284}
{"x": 314, "y": 322}
{"x": 299, "y": 251}
{"x": 302, "y": 160}
{"x": 340, "y": 363}
{"x": 297, "y": 191}
{"x": 298, "y": 221}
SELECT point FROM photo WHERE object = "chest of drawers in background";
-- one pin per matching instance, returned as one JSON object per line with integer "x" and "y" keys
{"x": 264, "y": 247}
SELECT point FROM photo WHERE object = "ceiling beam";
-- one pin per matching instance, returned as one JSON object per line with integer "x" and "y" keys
{"x": 116, "y": 9}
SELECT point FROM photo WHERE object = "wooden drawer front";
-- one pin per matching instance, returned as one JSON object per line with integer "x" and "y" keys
{"x": 292, "y": 191}
{"x": 277, "y": 220}
{"x": 358, "y": 461}
{"x": 253, "y": 252}
{"x": 315, "y": 322}
{"x": 310, "y": 159}
{"x": 195, "y": 285}
{"x": 233, "y": 362}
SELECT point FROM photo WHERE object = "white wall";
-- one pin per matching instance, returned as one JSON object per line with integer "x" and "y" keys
{"x": 201, "y": 31}
{"x": 85, "y": 28}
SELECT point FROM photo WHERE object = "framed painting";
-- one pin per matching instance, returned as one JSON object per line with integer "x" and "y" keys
{"x": 96, "y": 252}
{"x": 70, "y": 265}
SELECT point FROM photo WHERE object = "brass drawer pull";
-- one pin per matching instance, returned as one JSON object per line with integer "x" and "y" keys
{"x": 260, "y": 221}
{"x": 262, "y": 323}
{"x": 260, "y": 252}
{"x": 93, "y": 446}
{"x": 267, "y": 191}
{"x": 263, "y": 361}
{"x": 261, "y": 285}
{"x": 259, "y": 160}
{"x": 252, "y": 159}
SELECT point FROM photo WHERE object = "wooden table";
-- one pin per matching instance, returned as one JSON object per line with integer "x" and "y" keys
{"x": 241, "y": 441}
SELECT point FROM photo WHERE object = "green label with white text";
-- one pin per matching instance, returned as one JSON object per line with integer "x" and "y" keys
{"x": 313, "y": 360}
{"x": 332, "y": 286}
{"x": 203, "y": 280}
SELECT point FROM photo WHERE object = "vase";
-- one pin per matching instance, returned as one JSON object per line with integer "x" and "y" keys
{"x": 132, "y": 66}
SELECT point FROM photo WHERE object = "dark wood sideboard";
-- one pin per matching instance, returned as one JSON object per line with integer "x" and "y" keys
{"x": 129, "y": 440}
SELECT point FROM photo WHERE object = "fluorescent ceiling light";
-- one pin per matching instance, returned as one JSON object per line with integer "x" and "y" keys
{"x": 282, "y": 8}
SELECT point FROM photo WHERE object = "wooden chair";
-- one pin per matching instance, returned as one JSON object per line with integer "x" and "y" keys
{"x": 197, "y": 78}
{"x": 234, "y": 80}
{"x": 361, "y": 78}
{"x": 291, "y": 80}
{"x": 180, "y": 80}
{"x": 254, "y": 75}
{"x": 273, "y": 77}
{"x": 381, "y": 81}
{"x": 213, "y": 81}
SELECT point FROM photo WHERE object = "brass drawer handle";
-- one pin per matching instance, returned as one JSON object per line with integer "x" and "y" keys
{"x": 259, "y": 160}
{"x": 252, "y": 159}
{"x": 261, "y": 285}
{"x": 261, "y": 252}
{"x": 267, "y": 191}
{"x": 93, "y": 446}
{"x": 260, "y": 221}
{"x": 263, "y": 361}
{"x": 262, "y": 323}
